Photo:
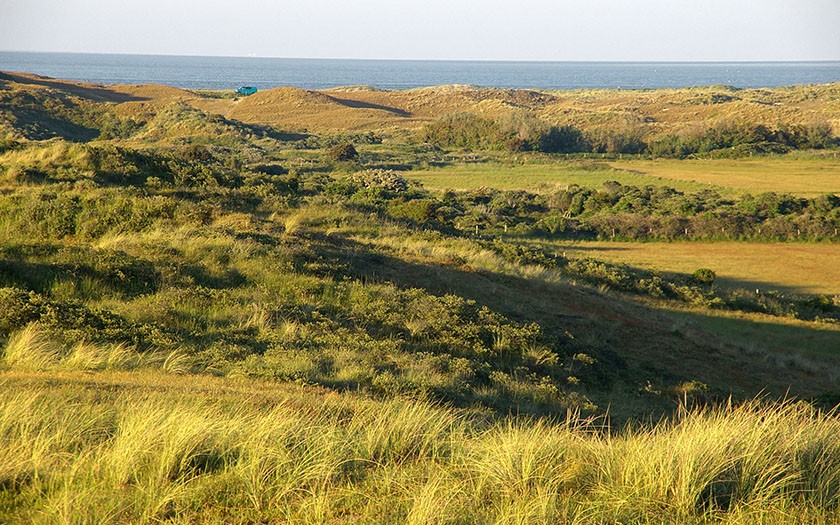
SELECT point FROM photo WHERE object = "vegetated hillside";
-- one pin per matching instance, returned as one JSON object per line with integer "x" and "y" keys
{"x": 183, "y": 231}
{"x": 207, "y": 320}
{"x": 366, "y": 109}
{"x": 609, "y": 116}
{"x": 655, "y": 112}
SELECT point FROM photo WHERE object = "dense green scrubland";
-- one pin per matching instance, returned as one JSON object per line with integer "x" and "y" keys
{"x": 209, "y": 321}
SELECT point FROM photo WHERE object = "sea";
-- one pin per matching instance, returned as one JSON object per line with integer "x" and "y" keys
{"x": 205, "y": 72}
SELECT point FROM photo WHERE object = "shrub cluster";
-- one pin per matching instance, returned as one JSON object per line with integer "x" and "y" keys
{"x": 617, "y": 211}
{"x": 70, "y": 321}
{"x": 344, "y": 152}
{"x": 387, "y": 180}
{"x": 527, "y": 133}
{"x": 524, "y": 133}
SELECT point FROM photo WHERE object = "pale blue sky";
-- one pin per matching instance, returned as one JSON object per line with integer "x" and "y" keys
{"x": 682, "y": 30}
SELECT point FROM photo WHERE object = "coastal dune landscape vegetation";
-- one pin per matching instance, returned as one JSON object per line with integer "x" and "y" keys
{"x": 448, "y": 304}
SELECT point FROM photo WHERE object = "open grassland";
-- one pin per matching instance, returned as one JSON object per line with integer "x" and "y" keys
{"x": 544, "y": 177}
{"x": 795, "y": 267}
{"x": 151, "y": 447}
{"x": 793, "y": 174}
{"x": 208, "y": 319}
{"x": 797, "y": 175}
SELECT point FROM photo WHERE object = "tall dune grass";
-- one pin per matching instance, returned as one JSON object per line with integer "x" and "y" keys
{"x": 163, "y": 453}
{"x": 32, "y": 349}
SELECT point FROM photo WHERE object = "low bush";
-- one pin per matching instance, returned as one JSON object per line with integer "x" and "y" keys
{"x": 344, "y": 152}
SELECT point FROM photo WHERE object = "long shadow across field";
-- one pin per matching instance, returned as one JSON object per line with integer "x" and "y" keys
{"x": 356, "y": 104}
{"x": 639, "y": 343}
{"x": 89, "y": 91}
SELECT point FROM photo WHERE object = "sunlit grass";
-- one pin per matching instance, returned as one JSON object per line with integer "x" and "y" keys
{"x": 807, "y": 177}
{"x": 543, "y": 176}
{"x": 797, "y": 267}
{"x": 794, "y": 174}
{"x": 154, "y": 447}
{"x": 34, "y": 349}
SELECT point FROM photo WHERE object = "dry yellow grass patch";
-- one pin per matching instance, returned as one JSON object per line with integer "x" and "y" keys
{"x": 151, "y": 448}
{"x": 799, "y": 176}
{"x": 808, "y": 268}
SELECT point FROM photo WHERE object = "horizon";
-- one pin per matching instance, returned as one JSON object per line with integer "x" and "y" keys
{"x": 228, "y": 72}
{"x": 378, "y": 59}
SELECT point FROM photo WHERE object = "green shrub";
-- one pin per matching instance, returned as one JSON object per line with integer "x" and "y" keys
{"x": 565, "y": 139}
{"x": 704, "y": 276}
{"x": 387, "y": 180}
{"x": 344, "y": 152}
{"x": 418, "y": 211}
{"x": 464, "y": 130}
{"x": 70, "y": 321}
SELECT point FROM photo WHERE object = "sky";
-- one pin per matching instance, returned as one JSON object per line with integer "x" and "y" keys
{"x": 586, "y": 30}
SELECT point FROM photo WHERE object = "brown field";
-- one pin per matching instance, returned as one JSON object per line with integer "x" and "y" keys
{"x": 802, "y": 268}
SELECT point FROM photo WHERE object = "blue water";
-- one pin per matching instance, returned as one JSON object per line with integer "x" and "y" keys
{"x": 229, "y": 72}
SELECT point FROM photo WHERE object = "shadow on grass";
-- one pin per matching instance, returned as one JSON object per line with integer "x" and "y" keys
{"x": 90, "y": 92}
{"x": 127, "y": 280}
{"x": 636, "y": 342}
{"x": 758, "y": 335}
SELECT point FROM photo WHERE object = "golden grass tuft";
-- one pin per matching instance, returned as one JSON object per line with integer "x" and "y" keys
{"x": 153, "y": 448}
{"x": 33, "y": 349}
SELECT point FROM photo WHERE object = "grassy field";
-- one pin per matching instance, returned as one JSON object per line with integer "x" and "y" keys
{"x": 208, "y": 321}
{"x": 152, "y": 447}
{"x": 806, "y": 177}
{"x": 802, "y": 268}
{"x": 543, "y": 176}
{"x": 788, "y": 343}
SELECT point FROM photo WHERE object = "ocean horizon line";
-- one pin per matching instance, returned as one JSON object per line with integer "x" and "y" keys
{"x": 456, "y": 60}
{"x": 219, "y": 72}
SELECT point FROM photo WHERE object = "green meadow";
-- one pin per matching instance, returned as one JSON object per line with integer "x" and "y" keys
{"x": 805, "y": 175}
{"x": 544, "y": 176}
{"x": 796, "y": 175}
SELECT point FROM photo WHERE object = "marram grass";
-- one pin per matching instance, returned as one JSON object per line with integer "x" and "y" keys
{"x": 152, "y": 447}
{"x": 32, "y": 349}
